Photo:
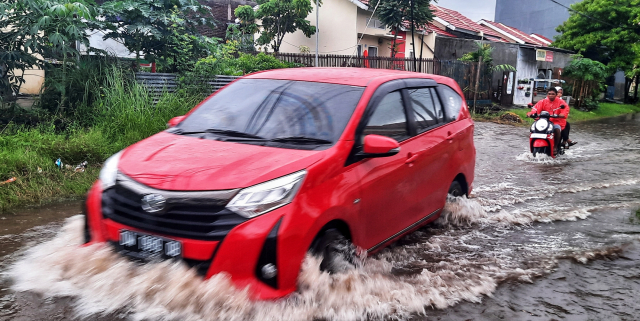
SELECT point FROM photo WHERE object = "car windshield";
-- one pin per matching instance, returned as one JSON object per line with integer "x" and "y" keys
{"x": 284, "y": 110}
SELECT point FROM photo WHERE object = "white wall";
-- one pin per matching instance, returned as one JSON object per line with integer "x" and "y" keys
{"x": 527, "y": 67}
{"x": 337, "y": 30}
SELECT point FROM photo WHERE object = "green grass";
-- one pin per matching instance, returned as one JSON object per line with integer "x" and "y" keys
{"x": 123, "y": 115}
{"x": 605, "y": 110}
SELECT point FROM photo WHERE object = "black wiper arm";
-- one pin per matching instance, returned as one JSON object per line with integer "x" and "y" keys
{"x": 301, "y": 140}
{"x": 223, "y": 132}
{"x": 232, "y": 133}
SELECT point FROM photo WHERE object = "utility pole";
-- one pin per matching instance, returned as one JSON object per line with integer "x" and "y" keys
{"x": 317, "y": 30}
{"x": 475, "y": 93}
{"x": 413, "y": 40}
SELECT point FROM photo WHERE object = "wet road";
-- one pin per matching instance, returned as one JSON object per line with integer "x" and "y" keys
{"x": 540, "y": 239}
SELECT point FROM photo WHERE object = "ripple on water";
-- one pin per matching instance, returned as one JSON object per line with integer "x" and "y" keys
{"x": 460, "y": 259}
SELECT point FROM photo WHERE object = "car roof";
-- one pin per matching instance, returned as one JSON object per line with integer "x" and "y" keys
{"x": 343, "y": 75}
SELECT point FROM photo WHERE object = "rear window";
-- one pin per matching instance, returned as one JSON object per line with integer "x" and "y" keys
{"x": 452, "y": 103}
{"x": 278, "y": 108}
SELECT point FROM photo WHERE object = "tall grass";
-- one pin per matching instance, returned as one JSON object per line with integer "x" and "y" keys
{"x": 123, "y": 114}
{"x": 126, "y": 113}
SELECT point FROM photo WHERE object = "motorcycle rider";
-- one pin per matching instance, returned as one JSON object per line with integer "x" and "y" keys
{"x": 567, "y": 128}
{"x": 555, "y": 107}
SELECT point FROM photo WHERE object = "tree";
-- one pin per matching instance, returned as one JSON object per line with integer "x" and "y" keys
{"x": 146, "y": 26}
{"x": 279, "y": 17}
{"x": 243, "y": 31}
{"x": 607, "y": 31}
{"x": 398, "y": 14}
{"x": 486, "y": 52}
{"x": 588, "y": 75}
{"x": 46, "y": 28}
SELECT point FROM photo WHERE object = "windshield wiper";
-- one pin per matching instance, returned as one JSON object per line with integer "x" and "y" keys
{"x": 301, "y": 140}
{"x": 223, "y": 132}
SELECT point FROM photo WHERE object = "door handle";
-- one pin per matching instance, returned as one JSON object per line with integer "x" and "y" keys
{"x": 450, "y": 136}
{"x": 411, "y": 158}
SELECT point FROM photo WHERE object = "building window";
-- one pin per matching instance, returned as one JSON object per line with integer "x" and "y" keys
{"x": 377, "y": 24}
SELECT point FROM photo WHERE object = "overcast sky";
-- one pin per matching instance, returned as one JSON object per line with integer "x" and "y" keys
{"x": 473, "y": 9}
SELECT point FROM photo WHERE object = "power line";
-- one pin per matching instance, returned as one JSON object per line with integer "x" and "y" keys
{"x": 588, "y": 16}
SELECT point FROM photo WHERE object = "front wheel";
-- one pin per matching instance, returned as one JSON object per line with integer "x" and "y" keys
{"x": 337, "y": 252}
{"x": 539, "y": 150}
{"x": 455, "y": 189}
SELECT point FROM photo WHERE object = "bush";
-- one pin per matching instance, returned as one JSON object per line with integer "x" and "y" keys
{"x": 589, "y": 104}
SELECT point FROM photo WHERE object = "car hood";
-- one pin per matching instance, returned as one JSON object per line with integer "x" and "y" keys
{"x": 173, "y": 162}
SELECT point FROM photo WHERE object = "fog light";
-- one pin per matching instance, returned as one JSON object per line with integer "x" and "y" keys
{"x": 269, "y": 271}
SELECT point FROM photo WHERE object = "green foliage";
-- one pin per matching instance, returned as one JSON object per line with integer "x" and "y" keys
{"x": 278, "y": 17}
{"x": 589, "y": 78}
{"x": 607, "y": 30}
{"x": 81, "y": 83}
{"x": 486, "y": 52}
{"x": 586, "y": 69}
{"x": 45, "y": 27}
{"x": 150, "y": 26}
{"x": 243, "y": 32}
{"x": 397, "y": 14}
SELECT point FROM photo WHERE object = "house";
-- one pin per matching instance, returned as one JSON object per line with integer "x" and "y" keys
{"x": 530, "y": 54}
{"x": 348, "y": 27}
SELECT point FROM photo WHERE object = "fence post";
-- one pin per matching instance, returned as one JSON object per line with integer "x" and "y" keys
{"x": 475, "y": 93}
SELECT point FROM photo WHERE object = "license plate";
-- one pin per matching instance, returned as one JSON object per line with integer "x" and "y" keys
{"x": 543, "y": 136}
{"x": 145, "y": 246}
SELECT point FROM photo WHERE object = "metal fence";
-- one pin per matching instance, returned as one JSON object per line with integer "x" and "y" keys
{"x": 159, "y": 83}
{"x": 464, "y": 73}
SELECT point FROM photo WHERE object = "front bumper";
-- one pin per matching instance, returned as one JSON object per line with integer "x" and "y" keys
{"x": 238, "y": 253}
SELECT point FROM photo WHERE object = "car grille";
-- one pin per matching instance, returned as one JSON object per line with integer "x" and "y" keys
{"x": 194, "y": 215}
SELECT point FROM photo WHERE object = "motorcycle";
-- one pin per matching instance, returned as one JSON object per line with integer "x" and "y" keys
{"x": 541, "y": 139}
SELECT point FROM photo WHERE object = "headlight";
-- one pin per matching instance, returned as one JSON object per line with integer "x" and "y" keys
{"x": 265, "y": 197}
{"x": 109, "y": 171}
{"x": 542, "y": 124}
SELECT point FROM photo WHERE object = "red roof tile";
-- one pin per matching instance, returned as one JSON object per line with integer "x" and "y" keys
{"x": 459, "y": 21}
{"x": 543, "y": 37}
{"x": 432, "y": 28}
{"x": 514, "y": 32}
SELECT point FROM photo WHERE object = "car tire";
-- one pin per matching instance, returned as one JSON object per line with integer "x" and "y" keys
{"x": 338, "y": 254}
{"x": 455, "y": 189}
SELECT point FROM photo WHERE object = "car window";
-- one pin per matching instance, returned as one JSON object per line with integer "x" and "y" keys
{"x": 426, "y": 108}
{"x": 273, "y": 109}
{"x": 389, "y": 118}
{"x": 452, "y": 103}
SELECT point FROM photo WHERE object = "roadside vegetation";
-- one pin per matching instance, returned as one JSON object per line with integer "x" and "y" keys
{"x": 603, "y": 111}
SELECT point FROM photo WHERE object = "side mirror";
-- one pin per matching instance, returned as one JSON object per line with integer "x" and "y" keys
{"x": 379, "y": 146}
{"x": 175, "y": 121}
{"x": 563, "y": 107}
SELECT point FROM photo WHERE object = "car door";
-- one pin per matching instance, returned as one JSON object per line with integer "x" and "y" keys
{"x": 433, "y": 151}
{"x": 388, "y": 184}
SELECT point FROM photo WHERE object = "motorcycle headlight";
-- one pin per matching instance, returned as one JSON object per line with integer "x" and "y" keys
{"x": 265, "y": 197}
{"x": 542, "y": 124}
{"x": 109, "y": 171}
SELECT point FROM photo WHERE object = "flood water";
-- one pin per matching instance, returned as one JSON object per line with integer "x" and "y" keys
{"x": 539, "y": 239}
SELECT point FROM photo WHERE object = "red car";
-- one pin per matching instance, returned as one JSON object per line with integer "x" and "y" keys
{"x": 283, "y": 162}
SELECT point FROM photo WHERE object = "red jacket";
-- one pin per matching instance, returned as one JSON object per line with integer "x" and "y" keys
{"x": 553, "y": 108}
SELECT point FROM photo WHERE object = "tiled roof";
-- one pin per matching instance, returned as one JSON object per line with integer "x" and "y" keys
{"x": 432, "y": 28}
{"x": 543, "y": 37}
{"x": 516, "y": 33}
{"x": 459, "y": 21}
